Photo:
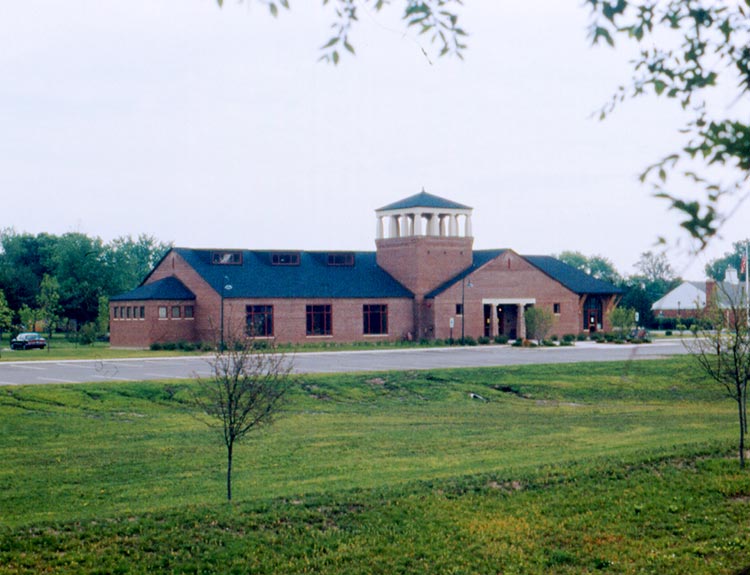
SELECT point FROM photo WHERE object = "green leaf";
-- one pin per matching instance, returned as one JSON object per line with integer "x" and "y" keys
{"x": 274, "y": 10}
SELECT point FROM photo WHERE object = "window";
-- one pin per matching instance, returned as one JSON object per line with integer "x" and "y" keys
{"x": 342, "y": 259}
{"x": 116, "y": 312}
{"x": 285, "y": 259}
{"x": 459, "y": 309}
{"x": 556, "y": 308}
{"x": 176, "y": 312}
{"x": 319, "y": 319}
{"x": 142, "y": 312}
{"x": 375, "y": 319}
{"x": 226, "y": 258}
{"x": 127, "y": 312}
{"x": 259, "y": 320}
{"x": 189, "y": 312}
{"x": 162, "y": 312}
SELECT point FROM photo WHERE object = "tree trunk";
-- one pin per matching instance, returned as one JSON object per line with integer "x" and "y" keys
{"x": 743, "y": 423}
{"x": 229, "y": 472}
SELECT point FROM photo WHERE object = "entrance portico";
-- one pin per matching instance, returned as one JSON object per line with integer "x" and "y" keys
{"x": 505, "y": 316}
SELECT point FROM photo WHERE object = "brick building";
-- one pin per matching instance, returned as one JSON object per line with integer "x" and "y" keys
{"x": 424, "y": 280}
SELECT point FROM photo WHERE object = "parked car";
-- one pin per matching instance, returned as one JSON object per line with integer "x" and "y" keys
{"x": 29, "y": 340}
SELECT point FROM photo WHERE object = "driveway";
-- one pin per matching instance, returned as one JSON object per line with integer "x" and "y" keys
{"x": 86, "y": 371}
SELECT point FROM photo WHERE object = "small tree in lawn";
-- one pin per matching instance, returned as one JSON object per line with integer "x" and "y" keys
{"x": 622, "y": 320}
{"x": 48, "y": 301}
{"x": 245, "y": 391}
{"x": 6, "y": 316}
{"x": 539, "y": 322}
{"x": 28, "y": 317}
{"x": 724, "y": 354}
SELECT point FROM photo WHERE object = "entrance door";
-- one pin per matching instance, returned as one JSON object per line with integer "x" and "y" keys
{"x": 507, "y": 318}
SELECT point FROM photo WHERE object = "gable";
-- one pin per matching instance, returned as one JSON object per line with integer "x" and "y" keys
{"x": 687, "y": 295}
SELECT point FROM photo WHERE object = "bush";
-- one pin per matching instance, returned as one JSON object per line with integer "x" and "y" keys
{"x": 186, "y": 345}
{"x": 567, "y": 343}
{"x": 501, "y": 339}
{"x": 548, "y": 343}
{"x": 668, "y": 332}
{"x": 156, "y": 346}
{"x": 483, "y": 340}
{"x": 517, "y": 343}
{"x": 468, "y": 340}
{"x": 569, "y": 337}
{"x": 205, "y": 346}
{"x": 87, "y": 335}
{"x": 583, "y": 336}
{"x": 554, "y": 337}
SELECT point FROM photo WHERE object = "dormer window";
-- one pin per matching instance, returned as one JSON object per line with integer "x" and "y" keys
{"x": 341, "y": 259}
{"x": 226, "y": 258}
{"x": 285, "y": 258}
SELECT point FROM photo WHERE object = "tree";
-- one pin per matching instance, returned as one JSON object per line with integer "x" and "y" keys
{"x": 655, "y": 268}
{"x": 6, "y": 315}
{"x": 539, "y": 322}
{"x": 686, "y": 49}
{"x": 597, "y": 266}
{"x": 102, "y": 319}
{"x": 717, "y": 269}
{"x": 622, "y": 320}
{"x": 436, "y": 18}
{"x": 28, "y": 317}
{"x": 48, "y": 301}
{"x": 723, "y": 353}
{"x": 129, "y": 260}
{"x": 245, "y": 391}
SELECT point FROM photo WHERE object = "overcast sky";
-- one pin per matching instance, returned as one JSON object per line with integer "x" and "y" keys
{"x": 220, "y": 128}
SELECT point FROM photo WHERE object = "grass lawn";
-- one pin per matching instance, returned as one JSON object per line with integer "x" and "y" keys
{"x": 591, "y": 468}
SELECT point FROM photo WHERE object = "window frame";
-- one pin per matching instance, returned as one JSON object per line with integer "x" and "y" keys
{"x": 319, "y": 320}
{"x": 264, "y": 313}
{"x": 229, "y": 258}
{"x": 375, "y": 319}
{"x": 285, "y": 258}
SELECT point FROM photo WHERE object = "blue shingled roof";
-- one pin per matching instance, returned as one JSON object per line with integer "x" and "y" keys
{"x": 257, "y": 277}
{"x": 424, "y": 200}
{"x": 163, "y": 289}
{"x": 573, "y": 279}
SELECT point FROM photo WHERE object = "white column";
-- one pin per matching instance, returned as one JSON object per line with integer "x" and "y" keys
{"x": 454, "y": 224}
{"x": 393, "y": 232}
{"x": 432, "y": 225}
{"x": 379, "y": 228}
{"x": 417, "y": 225}
{"x": 467, "y": 226}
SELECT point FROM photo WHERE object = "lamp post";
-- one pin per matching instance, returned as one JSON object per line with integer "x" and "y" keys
{"x": 463, "y": 307}
{"x": 225, "y": 286}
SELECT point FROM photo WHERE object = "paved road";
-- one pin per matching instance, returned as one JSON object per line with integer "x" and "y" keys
{"x": 36, "y": 372}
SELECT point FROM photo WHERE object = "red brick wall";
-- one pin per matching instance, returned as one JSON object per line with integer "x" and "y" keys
{"x": 137, "y": 332}
{"x": 290, "y": 318}
{"x": 423, "y": 263}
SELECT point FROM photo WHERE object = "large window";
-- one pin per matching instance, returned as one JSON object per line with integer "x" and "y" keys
{"x": 375, "y": 319}
{"x": 259, "y": 320}
{"x": 319, "y": 320}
